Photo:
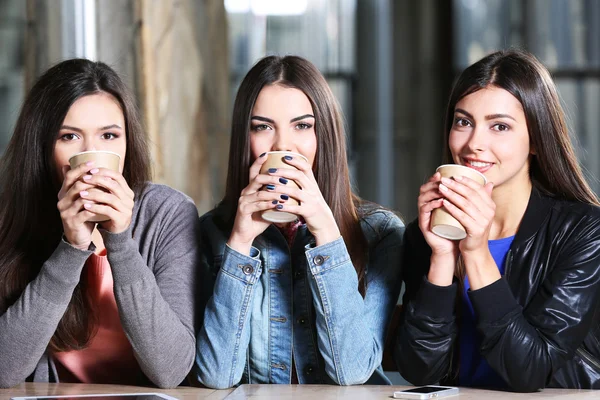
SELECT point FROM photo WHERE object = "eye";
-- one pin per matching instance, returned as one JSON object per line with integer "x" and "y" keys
{"x": 261, "y": 127}
{"x": 303, "y": 125}
{"x": 67, "y": 137}
{"x": 459, "y": 121}
{"x": 501, "y": 127}
{"x": 109, "y": 136}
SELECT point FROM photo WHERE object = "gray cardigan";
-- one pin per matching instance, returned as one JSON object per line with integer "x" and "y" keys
{"x": 154, "y": 267}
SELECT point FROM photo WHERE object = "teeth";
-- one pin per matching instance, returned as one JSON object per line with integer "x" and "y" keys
{"x": 479, "y": 164}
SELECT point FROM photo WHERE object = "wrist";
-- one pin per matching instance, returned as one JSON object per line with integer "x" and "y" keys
{"x": 326, "y": 236}
{"x": 441, "y": 269}
{"x": 239, "y": 244}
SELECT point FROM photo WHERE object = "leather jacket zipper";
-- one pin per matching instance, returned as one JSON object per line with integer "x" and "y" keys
{"x": 587, "y": 357}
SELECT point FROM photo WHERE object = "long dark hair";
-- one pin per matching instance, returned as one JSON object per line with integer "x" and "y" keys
{"x": 330, "y": 166}
{"x": 30, "y": 224}
{"x": 554, "y": 169}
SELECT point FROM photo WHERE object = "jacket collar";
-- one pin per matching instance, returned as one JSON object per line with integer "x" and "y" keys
{"x": 537, "y": 211}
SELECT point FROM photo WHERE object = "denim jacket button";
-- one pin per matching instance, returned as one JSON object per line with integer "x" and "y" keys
{"x": 301, "y": 320}
{"x": 247, "y": 269}
{"x": 319, "y": 260}
{"x": 308, "y": 370}
{"x": 298, "y": 275}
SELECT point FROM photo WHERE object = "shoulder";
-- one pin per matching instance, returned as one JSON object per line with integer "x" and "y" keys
{"x": 157, "y": 201}
{"x": 574, "y": 215}
{"x": 379, "y": 223}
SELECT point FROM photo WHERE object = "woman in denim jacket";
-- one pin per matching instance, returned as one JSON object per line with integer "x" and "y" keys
{"x": 308, "y": 301}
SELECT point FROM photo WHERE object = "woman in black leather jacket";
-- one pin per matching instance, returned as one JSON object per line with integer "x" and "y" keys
{"x": 516, "y": 304}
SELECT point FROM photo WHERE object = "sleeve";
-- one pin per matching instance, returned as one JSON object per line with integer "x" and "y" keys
{"x": 351, "y": 329}
{"x": 27, "y": 326}
{"x": 428, "y": 330}
{"x": 157, "y": 306}
{"x": 225, "y": 334}
{"x": 526, "y": 346}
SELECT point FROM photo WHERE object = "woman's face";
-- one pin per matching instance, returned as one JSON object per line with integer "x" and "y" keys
{"x": 94, "y": 122}
{"x": 489, "y": 134}
{"x": 283, "y": 120}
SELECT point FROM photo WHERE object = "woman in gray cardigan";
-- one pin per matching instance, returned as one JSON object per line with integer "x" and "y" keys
{"x": 107, "y": 302}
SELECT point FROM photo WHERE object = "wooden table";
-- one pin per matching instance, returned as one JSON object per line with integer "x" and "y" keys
{"x": 272, "y": 392}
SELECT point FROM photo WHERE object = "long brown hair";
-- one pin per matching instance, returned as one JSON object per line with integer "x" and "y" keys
{"x": 30, "y": 224}
{"x": 554, "y": 169}
{"x": 330, "y": 166}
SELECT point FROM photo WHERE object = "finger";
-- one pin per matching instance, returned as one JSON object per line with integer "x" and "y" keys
{"x": 301, "y": 178}
{"x": 72, "y": 175}
{"x": 461, "y": 216}
{"x": 257, "y": 165}
{"x": 476, "y": 188}
{"x": 428, "y": 207}
{"x": 253, "y": 207}
{"x": 119, "y": 178}
{"x": 458, "y": 200}
{"x": 101, "y": 209}
{"x": 101, "y": 197}
{"x": 66, "y": 199}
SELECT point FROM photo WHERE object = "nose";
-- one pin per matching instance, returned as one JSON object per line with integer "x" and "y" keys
{"x": 89, "y": 144}
{"x": 282, "y": 142}
{"x": 478, "y": 140}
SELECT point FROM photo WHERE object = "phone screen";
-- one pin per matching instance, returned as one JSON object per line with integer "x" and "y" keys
{"x": 425, "y": 389}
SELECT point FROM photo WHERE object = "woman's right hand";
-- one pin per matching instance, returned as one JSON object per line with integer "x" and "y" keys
{"x": 252, "y": 202}
{"x": 444, "y": 252}
{"x": 77, "y": 229}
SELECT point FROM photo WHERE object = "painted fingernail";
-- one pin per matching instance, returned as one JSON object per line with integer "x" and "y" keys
{"x": 272, "y": 170}
{"x": 288, "y": 157}
{"x": 262, "y": 155}
{"x": 458, "y": 178}
{"x": 94, "y": 171}
{"x": 87, "y": 177}
{"x": 443, "y": 188}
{"x": 275, "y": 202}
{"x": 283, "y": 180}
{"x": 270, "y": 187}
{"x": 87, "y": 206}
{"x": 279, "y": 206}
{"x": 285, "y": 197}
{"x": 83, "y": 193}
{"x": 89, "y": 163}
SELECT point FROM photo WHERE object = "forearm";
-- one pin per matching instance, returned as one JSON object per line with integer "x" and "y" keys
{"x": 350, "y": 337}
{"x": 28, "y": 325}
{"x": 427, "y": 334}
{"x": 161, "y": 334}
{"x": 225, "y": 334}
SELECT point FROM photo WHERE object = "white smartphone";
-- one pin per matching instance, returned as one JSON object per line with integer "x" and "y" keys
{"x": 111, "y": 396}
{"x": 426, "y": 392}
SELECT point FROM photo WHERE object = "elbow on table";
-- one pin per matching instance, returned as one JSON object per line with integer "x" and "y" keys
{"x": 8, "y": 381}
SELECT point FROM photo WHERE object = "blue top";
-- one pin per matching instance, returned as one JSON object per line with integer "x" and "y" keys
{"x": 474, "y": 369}
{"x": 297, "y": 304}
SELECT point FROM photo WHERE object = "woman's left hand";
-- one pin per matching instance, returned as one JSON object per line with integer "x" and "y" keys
{"x": 472, "y": 205}
{"x": 313, "y": 207}
{"x": 115, "y": 201}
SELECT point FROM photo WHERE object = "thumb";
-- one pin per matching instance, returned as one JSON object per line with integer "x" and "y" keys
{"x": 489, "y": 187}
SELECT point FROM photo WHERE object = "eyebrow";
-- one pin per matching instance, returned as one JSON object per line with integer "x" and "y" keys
{"x": 264, "y": 119}
{"x": 487, "y": 117}
{"x": 104, "y": 128}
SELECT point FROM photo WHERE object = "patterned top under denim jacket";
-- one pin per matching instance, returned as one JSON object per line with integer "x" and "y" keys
{"x": 297, "y": 303}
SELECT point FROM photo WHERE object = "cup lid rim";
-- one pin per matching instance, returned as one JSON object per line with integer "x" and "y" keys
{"x": 463, "y": 166}
{"x": 94, "y": 151}
{"x": 287, "y": 152}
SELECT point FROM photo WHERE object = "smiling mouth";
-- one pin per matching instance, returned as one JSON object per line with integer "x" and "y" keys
{"x": 478, "y": 164}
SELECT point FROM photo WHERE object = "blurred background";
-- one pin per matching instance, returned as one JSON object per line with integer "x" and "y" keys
{"x": 391, "y": 64}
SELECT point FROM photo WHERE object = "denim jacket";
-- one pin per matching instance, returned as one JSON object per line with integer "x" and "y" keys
{"x": 297, "y": 303}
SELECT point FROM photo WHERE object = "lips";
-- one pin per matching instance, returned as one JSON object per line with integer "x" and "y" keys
{"x": 478, "y": 165}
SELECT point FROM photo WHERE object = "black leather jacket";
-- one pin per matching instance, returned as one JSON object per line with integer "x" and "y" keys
{"x": 540, "y": 323}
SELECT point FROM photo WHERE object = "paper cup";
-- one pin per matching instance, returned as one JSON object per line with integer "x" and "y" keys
{"x": 103, "y": 159}
{"x": 442, "y": 223}
{"x": 275, "y": 160}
